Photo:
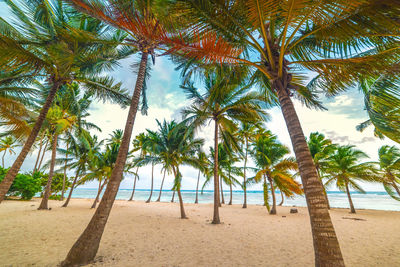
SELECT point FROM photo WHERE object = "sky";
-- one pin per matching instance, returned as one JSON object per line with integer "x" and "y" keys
{"x": 166, "y": 99}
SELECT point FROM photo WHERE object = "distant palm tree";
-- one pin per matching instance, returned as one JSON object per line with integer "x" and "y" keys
{"x": 203, "y": 162}
{"x": 137, "y": 145}
{"x": 8, "y": 143}
{"x": 273, "y": 165}
{"x": 226, "y": 100}
{"x": 320, "y": 149}
{"x": 50, "y": 42}
{"x": 247, "y": 134}
{"x": 345, "y": 170}
{"x": 389, "y": 163}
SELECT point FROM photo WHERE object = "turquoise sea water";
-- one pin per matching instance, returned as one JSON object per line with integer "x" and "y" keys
{"x": 370, "y": 200}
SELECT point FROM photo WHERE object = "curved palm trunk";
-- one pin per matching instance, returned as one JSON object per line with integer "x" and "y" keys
{"x": 40, "y": 151}
{"x": 216, "y": 180}
{"x": 162, "y": 183}
{"x": 65, "y": 175}
{"x": 13, "y": 171}
{"x": 173, "y": 196}
{"x": 352, "y": 209}
{"x": 197, "y": 189}
{"x": 273, "y": 210}
{"x": 222, "y": 192}
{"x": 244, "y": 178}
{"x": 282, "y": 199}
{"x": 70, "y": 191}
{"x": 44, "y": 204}
{"x": 183, "y": 214}
{"x": 325, "y": 194}
{"x": 134, "y": 185}
{"x": 98, "y": 194}
{"x": 396, "y": 187}
{"x": 44, "y": 152}
{"x": 326, "y": 245}
{"x": 85, "y": 248}
{"x": 152, "y": 181}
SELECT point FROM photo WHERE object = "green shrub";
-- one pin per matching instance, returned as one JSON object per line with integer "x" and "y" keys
{"x": 24, "y": 185}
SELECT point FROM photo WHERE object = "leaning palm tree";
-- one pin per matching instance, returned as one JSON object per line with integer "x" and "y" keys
{"x": 278, "y": 39}
{"x": 320, "y": 149}
{"x": 344, "y": 169}
{"x": 145, "y": 29}
{"x": 227, "y": 100}
{"x": 7, "y": 144}
{"x": 389, "y": 163}
{"x": 49, "y": 42}
{"x": 272, "y": 165}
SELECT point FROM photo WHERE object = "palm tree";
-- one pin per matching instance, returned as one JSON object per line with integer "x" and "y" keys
{"x": 279, "y": 38}
{"x": 137, "y": 145}
{"x": 269, "y": 156}
{"x": 320, "y": 149}
{"x": 8, "y": 143}
{"x": 83, "y": 149}
{"x": 49, "y": 42}
{"x": 345, "y": 170}
{"x": 226, "y": 101}
{"x": 203, "y": 162}
{"x": 389, "y": 163}
{"x": 147, "y": 33}
{"x": 246, "y": 133}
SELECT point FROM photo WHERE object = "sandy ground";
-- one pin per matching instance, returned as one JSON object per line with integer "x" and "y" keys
{"x": 139, "y": 234}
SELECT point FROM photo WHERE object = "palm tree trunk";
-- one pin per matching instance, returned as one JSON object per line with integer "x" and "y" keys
{"x": 282, "y": 199}
{"x": 230, "y": 190}
{"x": 222, "y": 192}
{"x": 65, "y": 175}
{"x": 98, "y": 194}
{"x": 273, "y": 210}
{"x": 2, "y": 158}
{"x": 134, "y": 184}
{"x": 244, "y": 178}
{"x": 197, "y": 189}
{"x": 44, "y": 152}
{"x": 183, "y": 214}
{"x": 216, "y": 180}
{"x": 13, "y": 171}
{"x": 85, "y": 248}
{"x": 40, "y": 150}
{"x": 72, "y": 189}
{"x": 162, "y": 183}
{"x": 325, "y": 194}
{"x": 152, "y": 179}
{"x": 44, "y": 204}
{"x": 173, "y": 196}
{"x": 326, "y": 245}
{"x": 352, "y": 209}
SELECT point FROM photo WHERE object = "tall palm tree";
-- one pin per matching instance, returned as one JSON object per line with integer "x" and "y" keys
{"x": 279, "y": 38}
{"x": 226, "y": 100}
{"x": 246, "y": 133}
{"x": 320, "y": 149}
{"x": 48, "y": 41}
{"x": 146, "y": 33}
{"x": 345, "y": 170}
{"x": 8, "y": 143}
{"x": 389, "y": 163}
{"x": 273, "y": 165}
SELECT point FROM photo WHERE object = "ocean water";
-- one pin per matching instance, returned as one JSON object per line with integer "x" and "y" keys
{"x": 337, "y": 199}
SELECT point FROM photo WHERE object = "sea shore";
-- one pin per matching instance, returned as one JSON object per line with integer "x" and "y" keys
{"x": 140, "y": 234}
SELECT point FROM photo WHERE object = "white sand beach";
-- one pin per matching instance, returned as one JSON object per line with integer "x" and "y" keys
{"x": 140, "y": 234}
